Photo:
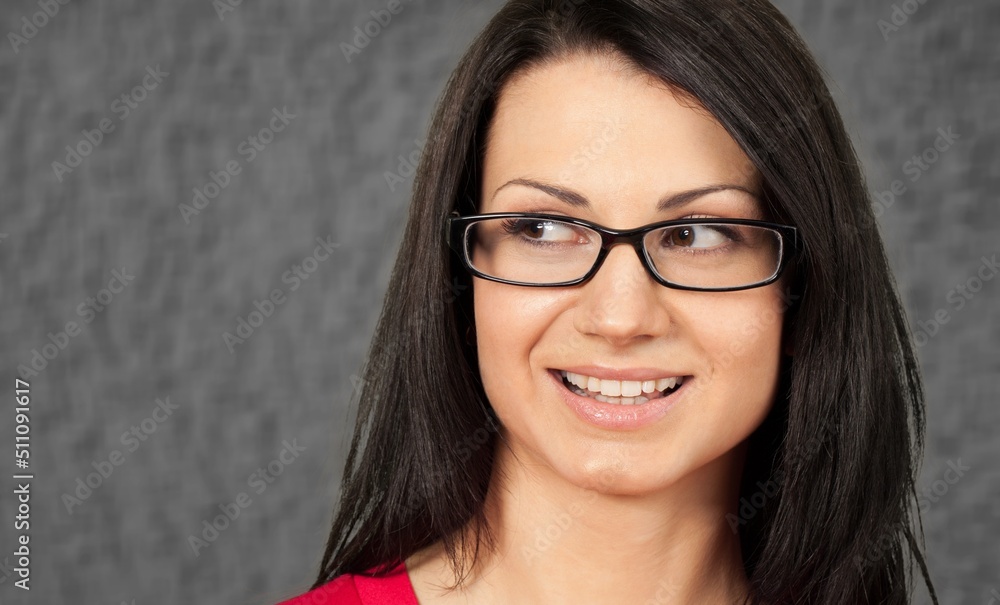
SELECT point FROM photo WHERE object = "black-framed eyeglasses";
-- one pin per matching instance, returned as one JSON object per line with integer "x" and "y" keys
{"x": 547, "y": 250}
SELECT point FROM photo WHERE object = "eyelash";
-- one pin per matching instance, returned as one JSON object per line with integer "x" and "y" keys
{"x": 513, "y": 226}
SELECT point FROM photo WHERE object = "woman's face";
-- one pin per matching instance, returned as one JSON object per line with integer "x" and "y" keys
{"x": 622, "y": 142}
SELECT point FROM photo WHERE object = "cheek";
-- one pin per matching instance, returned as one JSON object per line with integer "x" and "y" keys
{"x": 743, "y": 348}
{"x": 746, "y": 337}
{"x": 509, "y": 321}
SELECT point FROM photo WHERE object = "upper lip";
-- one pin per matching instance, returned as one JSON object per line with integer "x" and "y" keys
{"x": 633, "y": 374}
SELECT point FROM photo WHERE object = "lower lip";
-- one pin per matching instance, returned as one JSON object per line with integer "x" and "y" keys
{"x": 617, "y": 416}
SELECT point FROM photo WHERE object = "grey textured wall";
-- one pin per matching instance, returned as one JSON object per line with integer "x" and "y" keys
{"x": 63, "y": 234}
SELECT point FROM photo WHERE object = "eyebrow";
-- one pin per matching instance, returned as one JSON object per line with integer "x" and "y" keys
{"x": 668, "y": 202}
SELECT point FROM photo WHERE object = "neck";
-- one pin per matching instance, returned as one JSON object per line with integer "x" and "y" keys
{"x": 559, "y": 543}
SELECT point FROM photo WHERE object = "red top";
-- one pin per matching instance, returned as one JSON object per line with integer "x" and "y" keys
{"x": 355, "y": 589}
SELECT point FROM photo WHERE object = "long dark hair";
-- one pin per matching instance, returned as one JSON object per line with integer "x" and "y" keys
{"x": 827, "y": 499}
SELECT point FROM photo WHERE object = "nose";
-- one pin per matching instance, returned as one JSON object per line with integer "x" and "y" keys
{"x": 622, "y": 302}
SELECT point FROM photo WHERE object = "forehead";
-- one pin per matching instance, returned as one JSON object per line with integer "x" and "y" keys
{"x": 603, "y": 128}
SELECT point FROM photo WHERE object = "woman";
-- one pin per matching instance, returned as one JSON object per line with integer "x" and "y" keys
{"x": 725, "y": 409}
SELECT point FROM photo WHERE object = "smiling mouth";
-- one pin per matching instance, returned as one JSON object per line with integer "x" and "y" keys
{"x": 616, "y": 392}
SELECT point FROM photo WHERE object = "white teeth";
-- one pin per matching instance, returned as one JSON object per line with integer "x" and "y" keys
{"x": 667, "y": 383}
{"x": 625, "y": 392}
{"x": 616, "y": 400}
{"x": 631, "y": 388}
{"x": 577, "y": 379}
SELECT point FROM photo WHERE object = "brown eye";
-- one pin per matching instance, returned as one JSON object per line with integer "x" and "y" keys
{"x": 545, "y": 232}
{"x": 682, "y": 236}
{"x": 700, "y": 236}
{"x": 535, "y": 229}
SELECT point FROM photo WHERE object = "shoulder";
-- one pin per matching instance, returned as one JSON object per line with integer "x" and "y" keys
{"x": 339, "y": 591}
{"x": 360, "y": 589}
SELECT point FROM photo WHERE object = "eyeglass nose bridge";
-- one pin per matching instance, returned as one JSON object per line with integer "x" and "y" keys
{"x": 633, "y": 237}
